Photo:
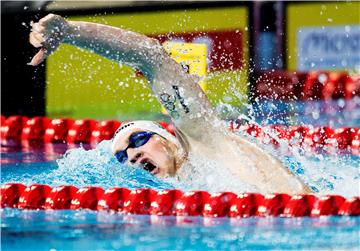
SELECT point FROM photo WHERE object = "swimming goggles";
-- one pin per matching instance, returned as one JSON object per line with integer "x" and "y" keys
{"x": 136, "y": 140}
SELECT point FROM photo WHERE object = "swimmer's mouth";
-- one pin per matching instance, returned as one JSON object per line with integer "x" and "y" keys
{"x": 150, "y": 167}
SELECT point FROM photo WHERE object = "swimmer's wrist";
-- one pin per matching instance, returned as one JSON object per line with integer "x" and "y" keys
{"x": 71, "y": 32}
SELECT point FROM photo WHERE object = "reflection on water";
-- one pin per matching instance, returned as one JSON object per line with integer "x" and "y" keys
{"x": 86, "y": 230}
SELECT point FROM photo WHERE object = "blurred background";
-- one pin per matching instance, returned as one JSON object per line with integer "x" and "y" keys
{"x": 275, "y": 62}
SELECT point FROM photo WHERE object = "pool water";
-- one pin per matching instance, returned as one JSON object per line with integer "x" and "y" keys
{"x": 90, "y": 230}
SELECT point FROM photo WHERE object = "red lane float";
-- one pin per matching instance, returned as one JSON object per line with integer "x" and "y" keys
{"x": 351, "y": 207}
{"x": 113, "y": 199}
{"x": 34, "y": 197}
{"x": 192, "y": 203}
{"x": 299, "y": 205}
{"x": 164, "y": 202}
{"x": 80, "y": 131}
{"x": 57, "y": 130}
{"x": 297, "y": 133}
{"x": 318, "y": 139}
{"x": 12, "y": 127}
{"x": 34, "y": 128}
{"x": 60, "y": 197}
{"x": 175, "y": 202}
{"x": 87, "y": 198}
{"x": 10, "y": 194}
{"x": 327, "y": 205}
{"x": 218, "y": 204}
{"x": 104, "y": 130}
{"x": 273, "y": 204}
{"x": 246, "y": 205}
{"x": 345, "y": 136}
{"x": 139, "y": 201}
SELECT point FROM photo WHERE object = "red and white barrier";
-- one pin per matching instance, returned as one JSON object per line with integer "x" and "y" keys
{"x": 175, "y": 202}
{"x": 64, "y": 130}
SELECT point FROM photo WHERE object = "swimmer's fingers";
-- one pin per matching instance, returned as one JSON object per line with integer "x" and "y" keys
{"x": 47, "y": 34}
{"x": 47, "y": 45}
{"x": 39, "y": 57}
{"x": 36, "y": 27}
{"x": 36, "y": 39}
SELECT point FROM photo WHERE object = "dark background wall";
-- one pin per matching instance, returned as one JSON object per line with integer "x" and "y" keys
{"x": 22, "y": 86}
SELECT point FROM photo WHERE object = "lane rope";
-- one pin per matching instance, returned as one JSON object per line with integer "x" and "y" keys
{"x": 171, "y": 202}
{"x": 175, "y": 202}
{"x": 65, "y": 130}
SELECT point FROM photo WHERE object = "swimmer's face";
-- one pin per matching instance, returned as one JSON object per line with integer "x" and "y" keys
{"x": 157, "y": 155}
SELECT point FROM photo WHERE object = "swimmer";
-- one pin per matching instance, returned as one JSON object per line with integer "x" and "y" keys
{"x": 199, "y": 131}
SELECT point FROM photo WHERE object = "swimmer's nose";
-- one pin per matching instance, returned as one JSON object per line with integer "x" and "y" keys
{"x": 134, "y": 155}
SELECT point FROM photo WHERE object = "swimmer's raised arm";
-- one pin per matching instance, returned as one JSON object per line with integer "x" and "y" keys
{"x": 178, "y": 91}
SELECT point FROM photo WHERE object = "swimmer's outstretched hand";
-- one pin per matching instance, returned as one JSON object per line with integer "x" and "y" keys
{"x": 47, "y": 34}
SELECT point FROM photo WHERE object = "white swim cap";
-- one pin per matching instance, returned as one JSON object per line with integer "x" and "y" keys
{"x": 143, "y": 125}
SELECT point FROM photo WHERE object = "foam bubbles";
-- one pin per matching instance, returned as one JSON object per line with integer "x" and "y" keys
{"x": 328, "y": 174}
{"x": 97, "y": 167}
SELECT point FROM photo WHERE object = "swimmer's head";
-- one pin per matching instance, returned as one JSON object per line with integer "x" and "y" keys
{"x": 148, "y": 145}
